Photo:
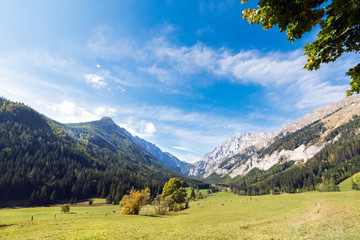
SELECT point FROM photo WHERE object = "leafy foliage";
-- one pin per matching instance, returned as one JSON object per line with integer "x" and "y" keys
{"x": 175, "y": 189}
{"x": 199, "y": 195}
{"x": 65, "y": 208}
{"x": 161, "y": 205}
{"x": 339, "y": 23}
{"x": 327, "y": 186}
{"x": 132, "y": 202}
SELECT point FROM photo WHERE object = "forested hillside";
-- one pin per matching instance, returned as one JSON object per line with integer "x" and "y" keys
{"x": 334, "y": 163}
{"x": 41, "y": 162}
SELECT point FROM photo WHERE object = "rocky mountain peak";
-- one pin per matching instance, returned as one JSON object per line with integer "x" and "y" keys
{"x": 224, "y": 159}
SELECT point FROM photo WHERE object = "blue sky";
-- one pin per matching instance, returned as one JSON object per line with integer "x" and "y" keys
{"x": 185, "y": 75}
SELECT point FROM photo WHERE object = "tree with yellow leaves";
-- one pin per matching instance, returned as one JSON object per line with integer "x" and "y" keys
{"x": 132, "y": 203}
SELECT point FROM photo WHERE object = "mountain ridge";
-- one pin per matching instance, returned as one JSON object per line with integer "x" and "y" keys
{"x": 165, "y": 158}
{"x": 331, "y": 115}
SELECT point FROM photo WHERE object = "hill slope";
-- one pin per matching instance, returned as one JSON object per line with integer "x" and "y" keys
{"x": 106, "y": 133}
{"x": 40, "y": 160}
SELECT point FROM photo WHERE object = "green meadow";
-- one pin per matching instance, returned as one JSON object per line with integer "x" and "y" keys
{"x": 222, "y": 215}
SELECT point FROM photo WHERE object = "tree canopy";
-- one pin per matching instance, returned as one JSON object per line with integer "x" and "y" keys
{"x": 339, "y": 28}
{"x": 174, "y": 188}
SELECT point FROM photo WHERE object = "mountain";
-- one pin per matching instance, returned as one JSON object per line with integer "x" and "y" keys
{"x": 338, "y": 160}
{"x": 43, "y": 161}
{"x": 164, "y": 157}
{"x": 299, "y": 140}
{"x": 106, "y": 133}
{"x": 210, "y": 162}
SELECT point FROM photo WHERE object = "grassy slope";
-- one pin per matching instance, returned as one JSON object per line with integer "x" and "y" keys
{"x": 309, "y": 215}
{"x": 346, "y": 185}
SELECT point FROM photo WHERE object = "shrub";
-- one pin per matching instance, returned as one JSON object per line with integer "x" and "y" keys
{"x": 160, "y": 206}
{"x": 199, "y": 195}
{"x": 65, "y": 208}
{"x": 327, "y": 186}
{"x": 132, "y": 203}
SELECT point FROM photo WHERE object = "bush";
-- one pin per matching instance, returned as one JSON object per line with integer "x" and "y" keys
{"x": 199, "y": 195}
{"x": 177, "y": 207}
{"x": 65, "y": 208}
{"x": 327, "y": 186}
{"x": 160, "y": 206}
{"x": 132, "y": 203}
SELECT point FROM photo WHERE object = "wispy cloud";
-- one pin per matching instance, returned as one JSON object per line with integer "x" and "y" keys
{"x": 281, "y": 73}
{"x": 183, "y": 149}
{"x": 95, "y": 81}
{"x": 204, "y": 30}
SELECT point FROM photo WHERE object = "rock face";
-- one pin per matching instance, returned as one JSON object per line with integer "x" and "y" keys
{"x": 238, "y": 155}
{"x": 210, "y": 162}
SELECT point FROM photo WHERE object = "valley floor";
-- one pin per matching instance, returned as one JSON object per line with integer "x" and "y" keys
{"x": 311, "y": 215}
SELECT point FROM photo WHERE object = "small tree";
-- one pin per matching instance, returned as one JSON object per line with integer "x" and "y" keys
{"x": 175, "y": 189}
{"x": 132, "y": 203}
{"x": 65, "y": 208}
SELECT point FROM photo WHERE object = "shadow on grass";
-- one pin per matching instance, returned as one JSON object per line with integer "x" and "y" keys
{"x": 5, "y": 225}
{"x": 151, "y": 215}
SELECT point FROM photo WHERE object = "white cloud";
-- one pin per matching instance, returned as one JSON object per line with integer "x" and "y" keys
{"x": 142, "y": 128}
{"x": 99, "y": 111}
{"x": 149, "y": 128}
{"x": 95, "y": 80}
{"x": 66, "y": 107}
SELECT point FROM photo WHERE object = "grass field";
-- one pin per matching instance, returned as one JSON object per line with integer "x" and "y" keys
{"x": 311, "y": 215}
